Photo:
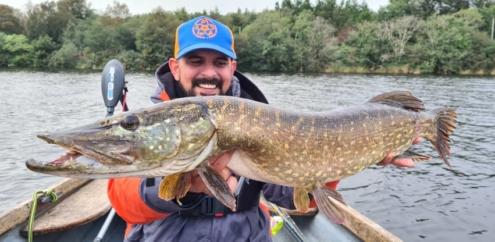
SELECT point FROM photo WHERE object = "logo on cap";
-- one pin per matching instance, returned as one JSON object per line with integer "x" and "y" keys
{"x": 204, "y": 28}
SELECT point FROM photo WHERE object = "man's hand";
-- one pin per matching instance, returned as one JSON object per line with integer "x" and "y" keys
{"x": 401, "y": 162}
{"x": 219, "y": 164}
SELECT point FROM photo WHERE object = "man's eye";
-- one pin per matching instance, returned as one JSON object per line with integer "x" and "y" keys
{"x": 221, "y": 63}
{"x": 194, "y": 61}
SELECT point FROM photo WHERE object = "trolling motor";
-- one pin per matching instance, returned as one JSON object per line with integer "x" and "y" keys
{"x": 113, "y": 90}
{"x": 113, "y": 86}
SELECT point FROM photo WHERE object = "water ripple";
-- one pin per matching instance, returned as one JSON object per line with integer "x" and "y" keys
{"x": 430, "y": 202}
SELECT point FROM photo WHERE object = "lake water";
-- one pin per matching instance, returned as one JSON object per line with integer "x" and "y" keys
{"x": 427, "y": 203}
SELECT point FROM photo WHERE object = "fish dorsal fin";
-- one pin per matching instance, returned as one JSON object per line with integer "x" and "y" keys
{"x": 403, "y": 99}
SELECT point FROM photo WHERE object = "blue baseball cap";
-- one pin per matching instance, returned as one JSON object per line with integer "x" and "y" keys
{"x": 204, "y": 33}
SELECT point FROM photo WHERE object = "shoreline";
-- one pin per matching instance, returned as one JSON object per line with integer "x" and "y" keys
{"x": 385, "y": 71}
{"x": 403, "y": 71}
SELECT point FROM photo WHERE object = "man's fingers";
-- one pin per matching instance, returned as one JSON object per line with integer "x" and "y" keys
{"x": 232, "y": 182}
{"x": 225, "y": 173}
{"x": 403, "y": 162}
{"x": 219, "y": 164}
{"x": 387, "y": 159}
{"x": 221, "y": 161}
{"x": 417, "y": 140}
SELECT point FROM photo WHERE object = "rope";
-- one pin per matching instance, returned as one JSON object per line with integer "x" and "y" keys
{"x": 51, "y": 195}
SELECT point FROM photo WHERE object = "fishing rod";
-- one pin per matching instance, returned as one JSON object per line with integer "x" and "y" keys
{"x": 113, "y": 91}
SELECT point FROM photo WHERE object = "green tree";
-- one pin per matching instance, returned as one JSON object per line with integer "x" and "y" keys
{"x": 74, "y": 9}
{"x": 237, "y": 21}
{"x": 342, "y": 14}
{"x": 426, "y": 8}
{"x": 399, "y": 34}
{"x": 51, "y": 18}
{"x": 97, "y": 41}
{"x": 267, "y": 44}
{"x": 42, "y": 50}
{"x": 42, "y": 20}
{"x": 314, "y": 42}
{"x": 66, "y": 57}
{"x": 365, "y": 47}
{"x": 115, "y": 14}
{"x": 488, "y": 14}
{"x": 155, "y": 37}
{"x": 10, "y": 22}
{"x": 399, "y": 8}
{"x": 452, "y": 43}
{"x": 15, "y": 50}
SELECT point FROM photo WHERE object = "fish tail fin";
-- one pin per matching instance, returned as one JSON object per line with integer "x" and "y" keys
{"x": 326, "y": 200}
{"x": 445, "y": 122}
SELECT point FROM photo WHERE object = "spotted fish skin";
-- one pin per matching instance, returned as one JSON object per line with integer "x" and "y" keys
{"x": 301, "y": 150}
{"x": 274, "y": 145}
{"x": 307, "y": 150}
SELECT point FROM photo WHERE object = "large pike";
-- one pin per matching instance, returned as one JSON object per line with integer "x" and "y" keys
{"x": 301, "y": 150}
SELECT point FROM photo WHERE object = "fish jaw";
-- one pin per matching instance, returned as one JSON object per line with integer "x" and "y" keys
{"x": 84, "y": 167}
{"x": 75, "y": 165}
{"x": 118, "y": 151}
{"x": 156, "y": 141}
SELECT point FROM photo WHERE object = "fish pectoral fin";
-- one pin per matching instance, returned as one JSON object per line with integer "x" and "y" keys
{"x": 174, "y": 186}
{"x": 183, "y": 185}
{"x": 217, "y": 186}
{"x": 409, "y": 154}
{"x": 325, "y": 200}
{"x": 301, "y": 199}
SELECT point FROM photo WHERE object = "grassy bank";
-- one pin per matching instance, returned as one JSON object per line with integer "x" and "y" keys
{"x": 402, "y": 70}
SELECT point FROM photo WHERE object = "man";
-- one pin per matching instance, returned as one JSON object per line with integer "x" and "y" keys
{"x": 204, "y": 64}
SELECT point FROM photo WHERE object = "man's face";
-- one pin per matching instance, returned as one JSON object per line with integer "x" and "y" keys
{"x": 203, "y": 72}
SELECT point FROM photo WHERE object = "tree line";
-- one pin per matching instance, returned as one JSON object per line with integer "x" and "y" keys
{"x": 417, "y": 36}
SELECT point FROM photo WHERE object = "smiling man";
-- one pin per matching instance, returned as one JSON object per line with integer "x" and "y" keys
{"x": 204, "y": 64}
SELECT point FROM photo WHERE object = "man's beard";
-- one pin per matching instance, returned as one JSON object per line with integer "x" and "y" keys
{"x": 196, "y": 83}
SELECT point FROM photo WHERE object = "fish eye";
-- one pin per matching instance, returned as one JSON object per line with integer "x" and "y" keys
{"x": 130, "y": 122}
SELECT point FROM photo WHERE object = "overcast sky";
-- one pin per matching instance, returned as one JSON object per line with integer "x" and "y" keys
{"x": 145, "y": 6}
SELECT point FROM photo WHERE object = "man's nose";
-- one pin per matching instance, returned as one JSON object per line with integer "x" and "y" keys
{"x": 209, "y": 72}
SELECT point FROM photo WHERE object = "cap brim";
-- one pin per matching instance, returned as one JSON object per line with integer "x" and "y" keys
{"x": 206, "y": 46}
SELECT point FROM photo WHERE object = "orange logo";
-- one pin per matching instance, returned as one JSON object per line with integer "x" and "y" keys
{"x": 204, "y": 28}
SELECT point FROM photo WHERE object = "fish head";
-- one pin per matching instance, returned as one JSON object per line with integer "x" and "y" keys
{"x": 160, "y": 140}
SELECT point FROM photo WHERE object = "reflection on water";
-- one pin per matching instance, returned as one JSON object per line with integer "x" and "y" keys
{"x": 430, "y": 202}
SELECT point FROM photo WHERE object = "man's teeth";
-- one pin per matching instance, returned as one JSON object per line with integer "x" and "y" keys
{"x": 208, "y": 86}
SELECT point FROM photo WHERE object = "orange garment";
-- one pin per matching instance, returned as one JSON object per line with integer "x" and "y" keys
{"x": 124, "y": 196}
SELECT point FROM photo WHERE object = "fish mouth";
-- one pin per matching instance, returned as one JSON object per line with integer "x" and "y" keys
{"x": 121, "y": 153}
{"x": 78, "y": 162}
{"x": 77, "y": 165}
{"x": 82, "y": 161}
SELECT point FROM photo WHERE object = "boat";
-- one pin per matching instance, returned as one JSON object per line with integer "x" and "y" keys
{"x": 82, "y": 211}
{"x": 82, "y": 208}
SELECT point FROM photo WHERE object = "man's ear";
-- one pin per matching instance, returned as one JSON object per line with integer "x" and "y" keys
{"x": 234, "y": 66}
{"x": 173, "y": 65}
